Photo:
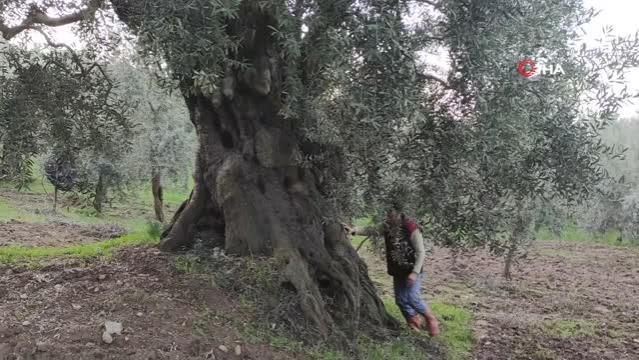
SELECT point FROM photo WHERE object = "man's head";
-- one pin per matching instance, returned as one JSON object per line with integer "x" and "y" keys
{"x": 393, "y": 216}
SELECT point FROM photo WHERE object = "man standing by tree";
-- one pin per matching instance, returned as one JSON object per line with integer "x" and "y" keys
{"x": 405, "y": 256}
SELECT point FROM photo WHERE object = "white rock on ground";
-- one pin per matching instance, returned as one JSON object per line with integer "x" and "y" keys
{"x": 111, "y": 328}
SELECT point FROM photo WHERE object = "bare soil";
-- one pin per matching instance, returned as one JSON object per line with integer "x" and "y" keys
{"x": 54, "y": 234}
{"x": 58, "y": 312}
{"x": 566, "y": 301}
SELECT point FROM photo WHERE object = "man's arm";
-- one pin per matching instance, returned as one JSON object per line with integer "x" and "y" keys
{"x": 417, "y": 241}
{"x": 367, "y": 231}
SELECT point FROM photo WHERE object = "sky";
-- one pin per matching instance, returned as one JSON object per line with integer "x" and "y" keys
{"x": 621, "y": 14}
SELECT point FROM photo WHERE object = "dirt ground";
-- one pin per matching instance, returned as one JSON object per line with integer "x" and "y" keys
{"x": 567, "y": 301}
{"x": 54, "y": 234}
{"x": 58, "y": 312}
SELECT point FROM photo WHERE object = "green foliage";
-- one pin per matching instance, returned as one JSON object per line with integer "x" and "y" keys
{"x": 164, "y": 141}
{"x": 154, "y": 230}
{"x": 187, "y": 265}
{"x": 57, "y": 102}
{"x": 7, "y": 212}
{"x": 574, "y": 233}
{"x": 566, "y": 329}
{"x": 32, "y": 255}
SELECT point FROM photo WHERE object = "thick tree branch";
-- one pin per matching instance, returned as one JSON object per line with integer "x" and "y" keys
{"x": 52, "y": 43}
{"x": 39, "y": 17}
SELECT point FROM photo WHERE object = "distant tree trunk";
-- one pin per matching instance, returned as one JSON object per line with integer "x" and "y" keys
{"x": 100, "y": 194}
{"x": 252, "y": 196}
{"x": 516, "y": 238}
{"x": 156, "y": 173}
{"x": 156, "y": 188}
{"x": 510, "y": 254}
{"x": 55, "y": 199}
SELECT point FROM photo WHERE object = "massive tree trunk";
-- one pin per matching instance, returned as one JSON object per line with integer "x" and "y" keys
{"x": 253, "y": 197}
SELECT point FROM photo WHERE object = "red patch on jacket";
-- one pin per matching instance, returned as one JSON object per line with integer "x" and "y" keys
{"x": 409, "y": 225}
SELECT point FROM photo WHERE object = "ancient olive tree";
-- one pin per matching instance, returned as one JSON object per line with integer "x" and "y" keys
{"x": 254, "y": 75}
{"x": 301, "y": 107}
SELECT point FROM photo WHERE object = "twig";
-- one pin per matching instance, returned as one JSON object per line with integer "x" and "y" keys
{"x": 362, "y": 243}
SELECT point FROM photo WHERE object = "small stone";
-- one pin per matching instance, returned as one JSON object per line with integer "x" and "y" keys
{"x": 89, "y": 344}
{"x": 23, "y": 296}
{"x": 223, "y": 348}
{"x": 601, "y": 309}
{"x": 26, "y": 323}
{"x": 238, "y": 350}
{"x": 139, "y": 314}
{"x": 482, "y": 323}
{"x": 6, "y": 351}
{"x": 113, "y": 327}
{"x": 101, "y": 314}
{"x": 107, "y": 338}
{"x": 126, "y": 338}
{"x": 102, "y": 277}
{"x": 118, "y": 283}
{"x": 96, "y": 289}
{"x": 76, "y": 306}
{"x": 58, "y": 287}
{"x": 42, "y": 346}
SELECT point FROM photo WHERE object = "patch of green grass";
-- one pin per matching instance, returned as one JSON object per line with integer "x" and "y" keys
{"x": 17, "y": 254}
{"x": 455, "y": 325}
{"x": 456, "y": 329}
{"x": 567, "y": 329}
{"x": 574, "y": 233}
{"x": 543, "y": 353}
{"x": 399, "y": 349}
{"x": 7, "y": 212}
{"x": 369, "y": 349}
{"x": 171, "y": 197}
{"x": 187, "y": 264}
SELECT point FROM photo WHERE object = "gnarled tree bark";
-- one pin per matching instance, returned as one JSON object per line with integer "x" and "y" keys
{"x": 252, "y": 196}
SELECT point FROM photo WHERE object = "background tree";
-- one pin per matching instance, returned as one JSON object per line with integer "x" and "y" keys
{"x": 535, "y": 140}
{"x": 164, "y": 144}
{"x": 61, "y": 103}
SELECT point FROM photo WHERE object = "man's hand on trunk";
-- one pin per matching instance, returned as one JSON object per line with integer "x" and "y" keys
{"x": 411, "y": 279}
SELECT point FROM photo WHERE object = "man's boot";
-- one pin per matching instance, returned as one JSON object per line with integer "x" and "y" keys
{"x": 415, "y": 322}
{"x": 431, "y": 324}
